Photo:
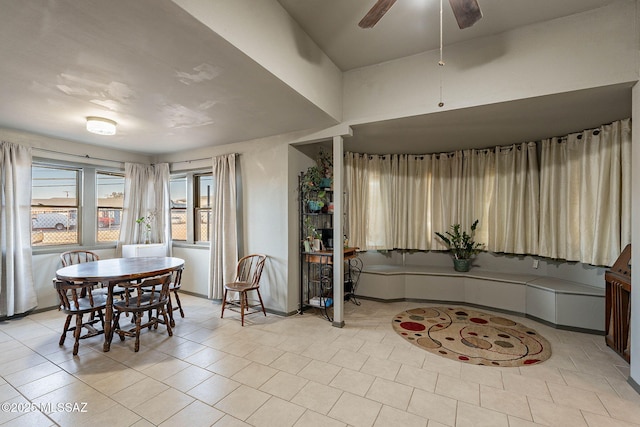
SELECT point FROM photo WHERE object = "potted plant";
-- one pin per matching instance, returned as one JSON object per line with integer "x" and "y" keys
{"x": 313, "y": 193}
{"x": 312, "y": 235}
{"x": 325, "y": 164}
{"x": 145, "y": 223}
{"x": 462, "y": 245}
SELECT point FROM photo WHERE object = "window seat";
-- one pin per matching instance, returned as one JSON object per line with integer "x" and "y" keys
{"x": 557, "y": 302}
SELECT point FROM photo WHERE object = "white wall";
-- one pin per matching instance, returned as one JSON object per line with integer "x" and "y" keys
{"x": 265, "y": 32}
{"x": 592, "y": 49}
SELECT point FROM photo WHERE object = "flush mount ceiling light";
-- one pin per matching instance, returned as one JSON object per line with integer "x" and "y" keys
{"x": 101, "y": 126}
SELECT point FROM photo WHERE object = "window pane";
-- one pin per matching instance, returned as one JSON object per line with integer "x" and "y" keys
{"x": 205, "y": 187}
{"x": 54, "y": 206}
{"x": 178, "y": 189}
{"x": 203, "y": 221}
{"x": 110, "y": 191}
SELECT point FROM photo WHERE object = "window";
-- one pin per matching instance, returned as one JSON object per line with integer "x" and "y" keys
{"x": 110, "y": 197}
{"x": 203, "y": 186}
{"x": 55, "y": 205}
{"x": 74, "y": 204}
{"x": 191, "y": 203}
{"x": 178, "y": 189}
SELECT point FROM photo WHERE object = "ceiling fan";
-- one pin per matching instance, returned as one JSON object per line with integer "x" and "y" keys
{"x": 467, "y": 12}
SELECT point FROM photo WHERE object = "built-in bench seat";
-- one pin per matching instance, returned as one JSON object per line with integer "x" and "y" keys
{"x": 558, "y": 302}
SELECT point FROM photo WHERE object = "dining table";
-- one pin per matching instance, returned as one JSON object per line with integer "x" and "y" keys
{"x": 110, "y": 272}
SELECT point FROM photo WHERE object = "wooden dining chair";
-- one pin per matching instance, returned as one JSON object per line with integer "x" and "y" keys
{"x": 174, "y": 287}
{"x": 76, "y": 300}
{"x": 81, "y": 256}
{"x": 149, "y": 296}
{"x": 249, "y": 271}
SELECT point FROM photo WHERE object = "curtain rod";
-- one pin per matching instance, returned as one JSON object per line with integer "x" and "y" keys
{"x": 83, "y": 156}
{"x": 198, "y": 160}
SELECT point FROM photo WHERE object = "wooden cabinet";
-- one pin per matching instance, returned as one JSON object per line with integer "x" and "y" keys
{"x": 618, "y": 305}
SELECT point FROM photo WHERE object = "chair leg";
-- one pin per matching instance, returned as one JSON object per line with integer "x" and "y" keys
{"x": 77, "y": 333}
{"x": 224, "y": 302}
{"x": 170, "y": 310}
{"x": 138, "y": 327}
{"x": 261, "y": 304}
{"x": 167, "y": 324}
{"x": 243, "y": 299}
{"x": 67, "y": 322}
{"x": 179, "y": 303}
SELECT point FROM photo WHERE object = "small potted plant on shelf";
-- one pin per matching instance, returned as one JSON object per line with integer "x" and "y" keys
{"x": 325, "y": 164}
{"x": 313, "y": 194}
{"x": 462, "y": 245}
{"x": 312, "y": 236}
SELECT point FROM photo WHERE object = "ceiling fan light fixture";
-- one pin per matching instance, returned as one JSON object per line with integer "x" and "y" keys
{"x": 101, "y": 126}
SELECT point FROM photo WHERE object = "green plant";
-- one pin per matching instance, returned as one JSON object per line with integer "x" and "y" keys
{"x": 325, "y": 162}
{"x": 311, "y": 231}
{"x": 146, "y": 222}
{"x": 310, "y": 186}
{"x": 460, "y": 243}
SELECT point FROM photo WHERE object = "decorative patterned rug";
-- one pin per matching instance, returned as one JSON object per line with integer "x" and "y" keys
{"x": 472, "y": 336}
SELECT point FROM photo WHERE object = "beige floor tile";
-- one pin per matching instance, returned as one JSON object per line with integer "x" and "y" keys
{"x": 458, "y": 389}
{"x": 433, "y": 407}
{"x": 288, "y": 357}
{"x": 621, "y": 409}
{"x": 213, "y": 389}
{"x": 229, "y": 365}
{"x": 47, "y": 384}
{"x": 417, "y": 377}
{"x": 139, "y": 392}
{"x": 313, "y": 419}
{"x": 317, "y": 397}
{"x": 506, "y": 402}
{"x": 276, "y": 413}
{"x": 265, "y": 354}
{"x": 473, "y": 416}
{"x": 163, "y": 406}
{"x": 254, "y": 375}
{"x": 519, "y": 422}
{"x": 552, "y": 414}
{"x": 290, "y": 362}
{"x": 196, "y": 414}
{"x": 32, "y": 373}
{"x": 526, "y": 386}
{"x": 355, "y": 410}
{"x": 242, "y": 402}
{"x": 349, "y": 359}
{"x": 320, "y": 372}
{"x": 392, "y": 417}
{"x": 576, "y": 398}
{"x": 383, "y": 368}
{"x": 352, "y": 381}
{"x": 284, "y": 385}
{"x": 390, "y": 393}
{"x": 188, "y": 378}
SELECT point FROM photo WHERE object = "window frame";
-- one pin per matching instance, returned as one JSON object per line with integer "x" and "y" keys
{"x": 87, "y": 218}
{"x": 192, "y": 207}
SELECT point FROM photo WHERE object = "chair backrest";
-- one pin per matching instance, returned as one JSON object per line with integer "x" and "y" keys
{"x": 176, "y": 280}
{"x": 148, "y": 293}
{"x": 250, "y": 269}
{"x": 77, "y": 257}
{"x": 77, "y": 296}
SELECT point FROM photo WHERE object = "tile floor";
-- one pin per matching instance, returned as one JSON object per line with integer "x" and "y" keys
{"x": 299, "y": 371}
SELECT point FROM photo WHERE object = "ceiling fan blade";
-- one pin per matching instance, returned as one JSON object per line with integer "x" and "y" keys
{"x": 467, "y": 12}
{"x": 376, "y": 13}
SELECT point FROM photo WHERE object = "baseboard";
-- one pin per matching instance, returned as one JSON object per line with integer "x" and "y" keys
{"x": 634, "y": 385}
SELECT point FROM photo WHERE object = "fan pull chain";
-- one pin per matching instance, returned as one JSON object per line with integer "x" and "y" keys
{"x": 441, "y": 62}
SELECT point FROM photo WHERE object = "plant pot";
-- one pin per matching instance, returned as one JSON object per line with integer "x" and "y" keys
{"x": 325, "y": 183}
{"x": 461, "y": 264}
{"x": 314, "y": 206}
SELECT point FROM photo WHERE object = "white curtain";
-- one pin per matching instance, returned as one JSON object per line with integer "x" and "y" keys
{"x": 17, "y": 291}
{"x": 514, "y": 200}
{"x": 224, "y": 232}
{"x": 146, "y": 194}
{"x": 399, "y": 201}
{"x": 585, "y": 186}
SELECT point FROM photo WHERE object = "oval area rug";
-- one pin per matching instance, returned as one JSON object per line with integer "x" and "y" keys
{"x": 472, "y": 336}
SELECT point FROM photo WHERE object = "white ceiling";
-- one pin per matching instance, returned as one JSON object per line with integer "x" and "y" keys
{"x": 136, "y": 62}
